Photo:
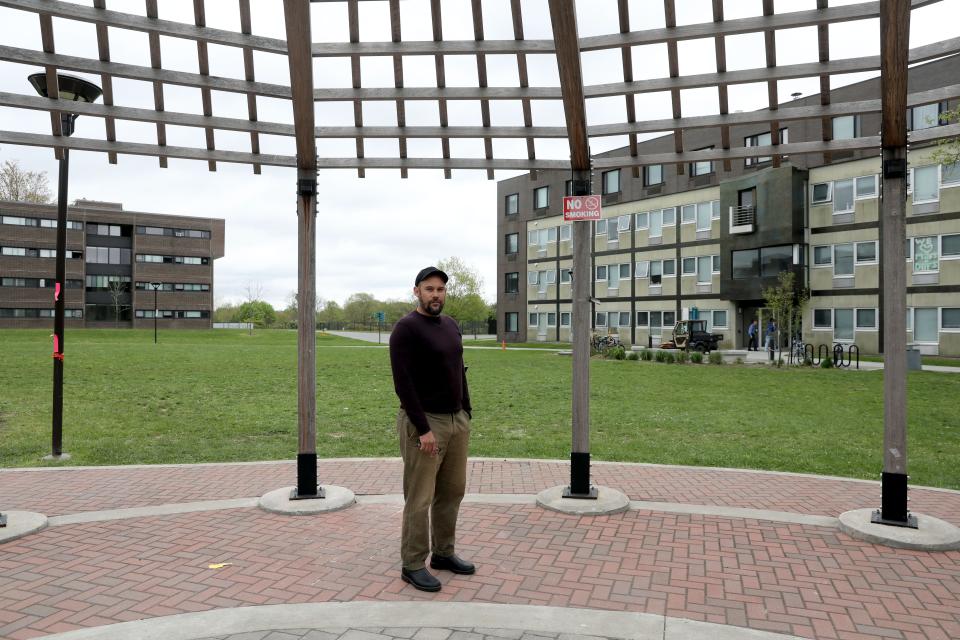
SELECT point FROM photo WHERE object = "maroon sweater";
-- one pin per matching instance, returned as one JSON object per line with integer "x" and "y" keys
{"x": 426, "y": 354}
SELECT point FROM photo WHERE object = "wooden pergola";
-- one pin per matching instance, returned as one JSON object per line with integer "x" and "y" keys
{"x": 567, "y": 48}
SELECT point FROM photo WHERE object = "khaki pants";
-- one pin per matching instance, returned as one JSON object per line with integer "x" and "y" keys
{"x": 433, "y": 486}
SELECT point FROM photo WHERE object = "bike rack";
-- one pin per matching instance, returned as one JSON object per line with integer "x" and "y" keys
{"x": 823, "y": 351}
{"x": 850, "y": 351}
{"x": 808, "y": 353}
{"x": 838, "y": 358}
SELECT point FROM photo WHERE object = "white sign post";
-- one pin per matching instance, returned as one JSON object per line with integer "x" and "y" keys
{"x": 576, "y": 208}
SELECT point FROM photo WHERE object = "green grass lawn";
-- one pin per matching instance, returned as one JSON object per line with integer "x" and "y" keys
{"x": 229, "y": 396}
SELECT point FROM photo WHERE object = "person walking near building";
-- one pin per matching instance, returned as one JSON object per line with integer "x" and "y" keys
{"x": 752, "y": 333}
{"x": 433, "y": 426}
{"x": 771, "y": 335}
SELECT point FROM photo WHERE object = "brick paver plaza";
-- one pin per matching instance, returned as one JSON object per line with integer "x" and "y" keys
{"x": 764, "y": 573}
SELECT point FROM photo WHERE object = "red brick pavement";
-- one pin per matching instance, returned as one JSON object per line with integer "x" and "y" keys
{"x": 808, "y": 581}
{"x": 69, "y": 490}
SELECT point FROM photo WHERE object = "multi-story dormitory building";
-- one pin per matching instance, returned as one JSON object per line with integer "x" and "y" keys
{"x": 112, "y": 258}
{"x": 708, "y": 240}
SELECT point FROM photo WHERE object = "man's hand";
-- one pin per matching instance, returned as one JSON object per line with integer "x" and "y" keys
{"x": 428, "y": 444}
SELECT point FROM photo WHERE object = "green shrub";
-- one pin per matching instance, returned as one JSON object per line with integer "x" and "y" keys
{"x": 669, "y": 358}
{"x": 646, "y": 354}
{"x": 738, "y": 361}
{"x": 682, "y": 356}
{"x": 716, "y": 357}
{"x": 633, "y": 355}
{"x": 661, "y": 356}
{"x": 696, "y": 357}
{"x": 826, "y": 363}
{"x": 617, "y": 353}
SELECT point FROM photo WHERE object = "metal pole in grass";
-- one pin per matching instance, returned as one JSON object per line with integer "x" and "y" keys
{"x": 155, "y": 286}
{"x": 66, "y": 89}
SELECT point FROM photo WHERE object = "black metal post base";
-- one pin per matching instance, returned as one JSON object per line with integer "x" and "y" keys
{"x": 3, "y": 520}
{"x": 893, "y": 509}
{"x": 307, "y": 487}
{"x": 580, "y": 478}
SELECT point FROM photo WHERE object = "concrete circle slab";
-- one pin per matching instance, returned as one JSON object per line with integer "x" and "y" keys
{"x": 931, "y": 534}
{"x": 608, "y": 501}
{"x": 21, "y": 523}
{"x": 63, "y": 457}
{"x": 279, "y": 501}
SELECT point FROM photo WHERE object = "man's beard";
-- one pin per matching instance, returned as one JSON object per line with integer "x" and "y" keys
{"x": 432, "y": 309}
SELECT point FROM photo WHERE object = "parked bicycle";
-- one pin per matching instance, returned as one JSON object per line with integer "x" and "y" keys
{"x": 600, "y": 342}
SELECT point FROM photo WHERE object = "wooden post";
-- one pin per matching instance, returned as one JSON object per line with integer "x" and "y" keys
{"x": 307, "y": 486}
{"x": 564, "y": 20}
{"x": 894, "y": 40}
{"x": 297, "y": 19}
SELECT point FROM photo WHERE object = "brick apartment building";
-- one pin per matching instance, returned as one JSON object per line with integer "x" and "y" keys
{"x": 112, "y": 258}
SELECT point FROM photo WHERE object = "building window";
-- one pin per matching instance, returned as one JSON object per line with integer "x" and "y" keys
{"x": 773, "y": 260}
{"x": 653, "y": 175}
{"x": 564, "y": 318}
{"x": 611, "y": 181}
{"x": 926, "y": 258}
{"x": 843, "y": 196}
{"x": 701, "y": 168}
{"x": 643, "y": 318}
{"x": 511, "y": 282}
{"x": 949, "y": 319}
{"x": 511, "y": 243}
{"x": 704, "y": 269}
{"x": 643, "y": 220}
{"x": 923, "y": 117}
{"x": 704, "y": 216}
{"x": 762, "y": 140}
{"x": 716, "y": 264}
{"x": 623, "y": 223}
{"x": 533, "y": 319}
{"x": 822, "y": 256}
{"x": 950, "y": 174}
{"x": 601, "y": 319}
{"x": 96, "y": 229}
{"x": 866, "y": 187}
{"x": 843, "y": 260}
{"x": 601, "y": 227}
{"x": 925, "y": 184}
{"x": 108, "y": 255}
{"x": 511, "y": 321}
{"x": 688, "y": 266}
{"x": 172, "y": 232}
{"x": 822, "y": 193}
{"x": 511, "y": 205}
{"x": 866, "y": 318}
{"x": 566, "y": 232}
{"x": 719, "y": 319}
{"x": 866, "y": 252}
{"x": 541, "y": 197}
{"x": 746, "y": 264}
{"x": 566, "y": 276}
{"x": 642, "y": 269}
{"x": 823, "y": 318}
{"x": 551, "y": 319}
{"x": 950, "y": 245}
{"x": 925, "y": 325}
{"x": 846, "y": 127}
{"x": 601, "y": 272}
{"x": 843, "y": 324}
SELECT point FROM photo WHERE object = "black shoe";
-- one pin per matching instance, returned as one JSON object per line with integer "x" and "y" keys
{"x": 420, "y": 579}
{"x": 452, "y": 563}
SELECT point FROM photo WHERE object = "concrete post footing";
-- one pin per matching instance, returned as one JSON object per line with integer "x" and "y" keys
{"x": 608, "y": 501}
{"x": 279, "y": 501}
{"x": 21, "y": 523}
{"x": 931, "y": 534}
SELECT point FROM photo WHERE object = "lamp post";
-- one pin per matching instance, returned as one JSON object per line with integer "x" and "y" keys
{"x": 156, "y": 287}
{"x": 69, "y": 88}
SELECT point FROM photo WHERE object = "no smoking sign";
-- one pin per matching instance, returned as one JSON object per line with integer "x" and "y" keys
{"x": 581, "y": 208}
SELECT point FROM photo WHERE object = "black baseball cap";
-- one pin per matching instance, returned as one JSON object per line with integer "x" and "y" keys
{"x": 426, "y": 273}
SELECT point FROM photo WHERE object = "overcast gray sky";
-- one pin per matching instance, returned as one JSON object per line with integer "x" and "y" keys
{"x": 375, "y": 234}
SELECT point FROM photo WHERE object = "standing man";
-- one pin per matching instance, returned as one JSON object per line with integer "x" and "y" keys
{"x": 771, "y": 336}
{"x": 752, "y": 332}
{"x": 426, "y": 355}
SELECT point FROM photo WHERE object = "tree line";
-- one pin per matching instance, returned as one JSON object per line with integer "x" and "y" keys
{"x": 464, "y": 303}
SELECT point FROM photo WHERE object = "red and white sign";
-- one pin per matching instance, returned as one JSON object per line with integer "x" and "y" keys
{"x": 581, "y": 208}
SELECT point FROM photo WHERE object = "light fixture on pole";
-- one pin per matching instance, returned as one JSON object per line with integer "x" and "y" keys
{"x": 69, "y": 89}
{"x": 156, "y": 287}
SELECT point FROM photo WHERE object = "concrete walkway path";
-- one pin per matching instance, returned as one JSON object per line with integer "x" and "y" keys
{"x": 181, "y": 551}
